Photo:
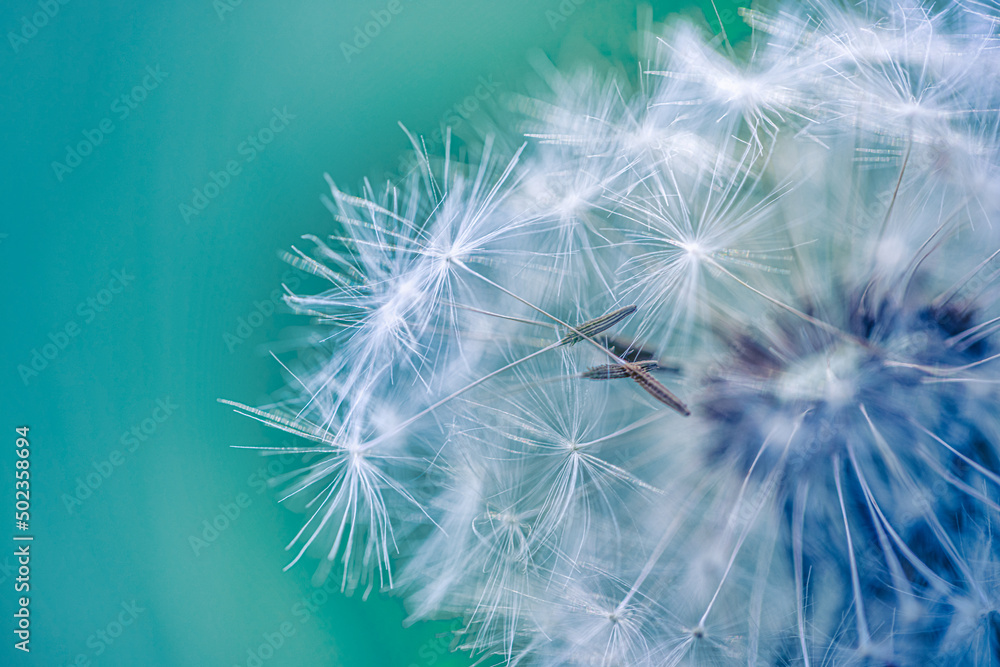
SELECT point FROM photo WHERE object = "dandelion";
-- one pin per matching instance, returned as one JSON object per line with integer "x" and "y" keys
{"x": 705, "y": 373}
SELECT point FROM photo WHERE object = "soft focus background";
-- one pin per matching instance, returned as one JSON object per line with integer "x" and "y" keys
{"x": 130, "y": 314}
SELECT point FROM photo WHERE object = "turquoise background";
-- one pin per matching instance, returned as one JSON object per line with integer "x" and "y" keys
{"x": 163, "y": 336}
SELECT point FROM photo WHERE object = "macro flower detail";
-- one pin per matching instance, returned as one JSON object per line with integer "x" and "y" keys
{"x": 694, "y": 367}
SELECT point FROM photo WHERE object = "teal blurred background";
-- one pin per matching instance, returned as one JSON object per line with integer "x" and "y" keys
{"x": 131, "y": 314}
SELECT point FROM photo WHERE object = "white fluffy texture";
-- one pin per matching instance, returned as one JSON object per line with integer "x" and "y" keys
{"x": 807, "y": 229}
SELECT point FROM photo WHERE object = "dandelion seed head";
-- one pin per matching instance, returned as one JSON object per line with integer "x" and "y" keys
{"x": 706, "y": 374}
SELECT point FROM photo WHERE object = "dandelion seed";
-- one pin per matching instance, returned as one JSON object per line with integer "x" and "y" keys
{"x": 596, "y": 326}
{"x": 617, "y": 371}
